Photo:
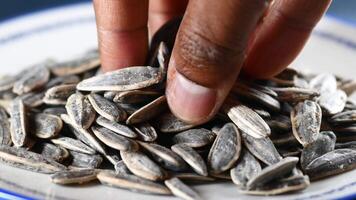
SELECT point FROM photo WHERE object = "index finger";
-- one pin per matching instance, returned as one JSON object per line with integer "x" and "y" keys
{"x": 122, "y": 32}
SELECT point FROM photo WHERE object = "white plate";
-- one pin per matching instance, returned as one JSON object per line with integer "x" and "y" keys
{"x": 64, "y": 32}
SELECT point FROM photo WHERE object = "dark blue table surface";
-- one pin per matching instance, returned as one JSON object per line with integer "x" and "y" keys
{"x": 344, "y": 9}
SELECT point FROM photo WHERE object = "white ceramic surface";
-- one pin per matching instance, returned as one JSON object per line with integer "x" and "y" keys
{"x": 64, "y": 32}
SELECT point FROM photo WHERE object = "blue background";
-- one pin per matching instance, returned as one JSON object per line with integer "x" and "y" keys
{"x": 345, "y": 9}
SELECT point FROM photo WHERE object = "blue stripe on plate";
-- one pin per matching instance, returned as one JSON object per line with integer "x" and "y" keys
{"x": 6, "y": 194}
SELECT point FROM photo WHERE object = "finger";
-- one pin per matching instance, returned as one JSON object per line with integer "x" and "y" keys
{"x": 207, "y": 55}
{"x": 122, "y": 32}
{"x": 282, "y": 35}
{"x": 161, "y": 11}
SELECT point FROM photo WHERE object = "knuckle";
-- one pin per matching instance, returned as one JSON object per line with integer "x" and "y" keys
{"x": 206, "y": 61}
{"x": 199, "y": 51}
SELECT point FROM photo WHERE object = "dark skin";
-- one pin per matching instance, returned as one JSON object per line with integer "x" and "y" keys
{"x": 216, "y": 41}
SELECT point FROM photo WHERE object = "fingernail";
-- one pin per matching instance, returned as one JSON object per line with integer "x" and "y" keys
{"x": 189, "y": 101}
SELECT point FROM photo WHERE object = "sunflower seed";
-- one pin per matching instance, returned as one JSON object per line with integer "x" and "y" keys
{"x": 146, "y": 132}
{"x": 334, "y": 162}
{"x": 21, "y": 158}
{"x": 116, "y": 127}
{"x": 131, "y": 78}
{"x": 148, "y": 111}
{"x": 106, "y": 108}
{"x": 55, "y": 111}
{"x": 80, "y": 110}
{"x": 18, "y": 123}
{"x": 86, "y": 62}
{"x": 34, "y": 79}
{"x": 74, "y": 177}
{"x": 261, "y": 148}
{"x": 5, "y": 135}
{"x": 346, "y": 145}
{"x": 324, "y": 83}
{"x": 345, "y": 117}
{"x": 83, "y": 160}
{"x": 193, "y": 177}
{"x": 58, "y": 95}
{"x": 84, "y": 135}
{"x": 306, "y": 121}
{"x": 225, "y": 150}
{"x": 333, "y": 102}
{"x": 113, "y": 140}
{"x": 45, "y": 125}
{"x": 131, "y": 182}
{"x": 259, "y": 94}
{"x": 135, "y": 96}
{"x": 181, "y": 190}
{"x": 249, "y": 121}
{"x": 32, "y": 99}
{"x": 280, "y": 123}
{"x": 168, "y": 123}
{"x": 164, "y": 156}
{"x": 62, "y": 80}
{"x": 121, "y": 168}
{"x": 73, "y": 144}
{"x": 58, "y": 154}
{"x": 190, "y": 156}
{"x": 142, "y": 166}
{"x": 279, "y": 186}
{"x": 194, "y": 137}
{"x": 294, "y": 94}
{"x": 274, "y": 171}
{"x": 110, "y": 95}
{"x": 247, "y": 168}
{"x": 322, "y": 145}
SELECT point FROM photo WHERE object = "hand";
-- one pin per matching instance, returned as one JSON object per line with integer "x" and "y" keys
{"x": 215, "y": 40}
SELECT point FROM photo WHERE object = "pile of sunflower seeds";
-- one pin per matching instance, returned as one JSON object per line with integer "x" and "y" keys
{"x": 271, "y": 136}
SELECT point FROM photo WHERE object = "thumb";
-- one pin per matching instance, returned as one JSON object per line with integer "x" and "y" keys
{"x": 208, "y": 54}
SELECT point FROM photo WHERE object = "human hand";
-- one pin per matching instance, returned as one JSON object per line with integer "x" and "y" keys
{"x": 215, "y": 41}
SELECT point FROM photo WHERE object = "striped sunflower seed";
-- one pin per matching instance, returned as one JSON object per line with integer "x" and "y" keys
{"x": 168, "y": 123}
{"x": 194, "y": 137}
{"x": 113, "y": 140}
{"x": 142, "y": 166}
{"x": 249, "y": 121}
{"x": 166, "y": 157}
{"x": 36, "y": 78}
{"x": 247, "y": 168}
{"x": 190, "y": 156}
{"x": 261, "y": 148}
{"x": 57, "y": 95}
{"x": 274, "y": 171}
{"x": 90, "y": 60}
{"x": 21, "y": 158}
{"x": 148, "y": 111}
{"x": 80, "y": 111}
{"x": 18, "y": 123}
{"x": 132, "y": 182}
{"x": 146, "y": 132}
{"x": 45, "y": 125}
{"x": 116, "y": 127}
{"x": 334, "y": 162}
{"x": 73, "y": 144}
{"x": 82, "y": 160}
{"x": 225, "y": 150}
{"x": 131, "y": 78}
{"x": 74, "y": 177}
{"x": 181, "y": 190}
{"x": 306, "y": 122}
{"x": 106, "y": 108}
